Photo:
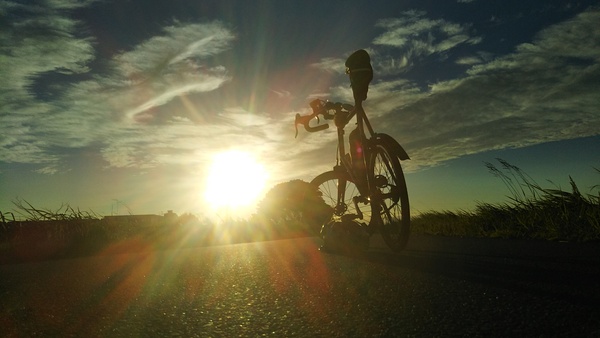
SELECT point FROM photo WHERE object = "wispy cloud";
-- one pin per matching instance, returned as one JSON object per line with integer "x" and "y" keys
{"x": 476, "y": 58}
{"x": 104, "y": 108}
{"x": 131, "y": 113}
{"x": 197, "y": 84}
{"x": 167, "y": 66}
{"x": 335, "y": 65}
{"x": 418, "y": 36}
{"x": 547, "y": 90}
{"x": 39, "y": 40}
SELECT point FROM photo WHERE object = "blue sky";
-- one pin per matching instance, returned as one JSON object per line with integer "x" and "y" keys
{"x": 105, "y": 101}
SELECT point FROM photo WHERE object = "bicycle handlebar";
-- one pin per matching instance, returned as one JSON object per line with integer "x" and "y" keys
{"x": 304, "y": 120}
{"x": 320, "y": 107}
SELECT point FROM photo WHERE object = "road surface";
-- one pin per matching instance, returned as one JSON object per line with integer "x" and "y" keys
{"x": 438, "y": 287}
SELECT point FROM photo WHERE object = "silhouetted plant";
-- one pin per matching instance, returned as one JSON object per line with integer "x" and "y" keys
{"x": 532, "y": 212}
{"x": 64, "y": 212}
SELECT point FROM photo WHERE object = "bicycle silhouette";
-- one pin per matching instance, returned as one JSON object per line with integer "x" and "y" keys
{"x": 367, "y": 183}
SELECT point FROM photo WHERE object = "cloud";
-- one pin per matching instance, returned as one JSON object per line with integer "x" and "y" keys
{"x": 476, "y": 58}
{"x": 140, "y": 111}
{"x": 174, "y": 51}
{"x": 546, "y": 90}
{"x": 167, "y": 66}
{"x": 99, "y": 108}
{"x": 468, "y": 60}
{"x": 39, "y": 40}
{"x": 113, "y": 111}
{"x": 419, "y": 36}
{"x": 334, "y": 65}
{"x": 410, "y": 38}
{"x": 196, "y": 84}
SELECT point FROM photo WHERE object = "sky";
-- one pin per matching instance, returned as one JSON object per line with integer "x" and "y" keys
{"x": 121, "y": 106}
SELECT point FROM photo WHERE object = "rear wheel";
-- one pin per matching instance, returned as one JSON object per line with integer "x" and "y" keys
{"x": 390, "y": 197}
{"x": 328, "y": 183}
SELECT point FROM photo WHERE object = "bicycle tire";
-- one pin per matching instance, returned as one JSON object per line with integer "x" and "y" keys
{"x": 328, "y": 183}
{"x": 389, "y": 193}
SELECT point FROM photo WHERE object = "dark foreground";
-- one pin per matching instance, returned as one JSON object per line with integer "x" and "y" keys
{"x": 438, "y": 287}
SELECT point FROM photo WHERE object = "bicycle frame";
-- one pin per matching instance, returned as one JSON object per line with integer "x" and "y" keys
{"x": 362, "y": 183}
{"x": 378, "y": 179}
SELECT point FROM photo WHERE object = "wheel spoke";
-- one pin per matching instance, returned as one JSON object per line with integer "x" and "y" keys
{"x": 328, "y": 184}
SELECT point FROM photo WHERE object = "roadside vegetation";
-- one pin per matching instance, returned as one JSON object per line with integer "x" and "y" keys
{"x": 295, "y": 209}
{"x": 530, "y": 212}
{"x": 292, "y": 209}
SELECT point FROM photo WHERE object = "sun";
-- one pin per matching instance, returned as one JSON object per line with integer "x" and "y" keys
{"x": 235, "y": 180}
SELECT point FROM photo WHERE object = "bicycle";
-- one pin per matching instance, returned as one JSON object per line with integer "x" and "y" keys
{"x": 368, "y": 183}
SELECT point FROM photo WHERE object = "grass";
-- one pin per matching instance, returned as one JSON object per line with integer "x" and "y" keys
{"x": 67, "y": 232}
{"x": 531, "y": 212}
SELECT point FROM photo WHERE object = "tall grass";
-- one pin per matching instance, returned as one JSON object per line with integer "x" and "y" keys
{"x": 67, "y": 232}
{"x": 63, "y": 213}
{"x": 530, "y": 212}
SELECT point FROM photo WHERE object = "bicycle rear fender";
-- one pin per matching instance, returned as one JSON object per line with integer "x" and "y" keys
{"x": 392, "y": 143}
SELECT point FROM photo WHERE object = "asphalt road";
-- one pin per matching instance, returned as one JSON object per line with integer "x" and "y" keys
{"x": 438, "y": 287}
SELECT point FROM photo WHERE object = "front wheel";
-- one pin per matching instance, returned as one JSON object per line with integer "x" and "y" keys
{"x": 389, "y": 194}
{"x": 332, "y": 183}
